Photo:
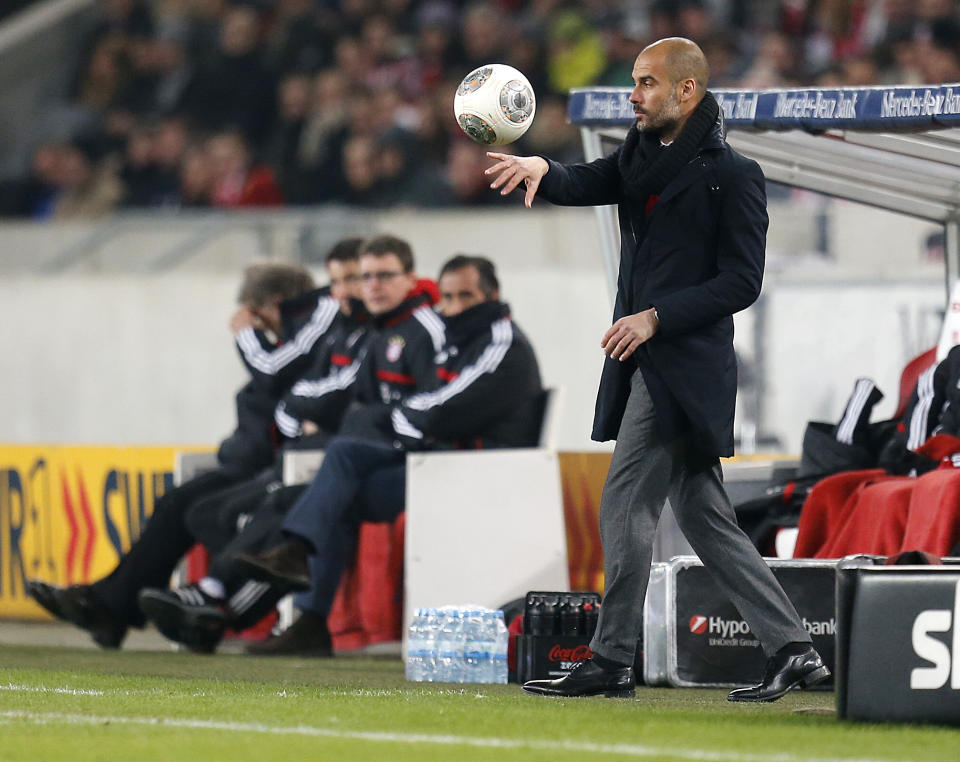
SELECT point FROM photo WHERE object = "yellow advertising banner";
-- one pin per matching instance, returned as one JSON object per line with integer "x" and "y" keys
{"x": 67, "y": 514}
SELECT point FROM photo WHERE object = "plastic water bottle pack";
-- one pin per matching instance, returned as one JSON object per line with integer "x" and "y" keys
{"x": 457, "y": 644}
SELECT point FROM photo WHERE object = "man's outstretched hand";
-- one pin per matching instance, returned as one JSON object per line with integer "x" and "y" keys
{"x": 623, "y": 337}
{"x": 512, "y": 170}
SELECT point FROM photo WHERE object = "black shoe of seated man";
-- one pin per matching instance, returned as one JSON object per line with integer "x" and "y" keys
{"x": 587, "y": 679}
{"x": 788, "y": 668}
{"x": 78, "y": 605}
{"x": 308, "y": 636}
{"x": 284, "y": 565}
{"x": 186, "y": 615}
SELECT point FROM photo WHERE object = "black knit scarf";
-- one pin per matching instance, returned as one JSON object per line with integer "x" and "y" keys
{"x": 647, "y": 170}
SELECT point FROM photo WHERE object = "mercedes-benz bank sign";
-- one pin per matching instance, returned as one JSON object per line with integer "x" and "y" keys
{"x": 898, "y": 643}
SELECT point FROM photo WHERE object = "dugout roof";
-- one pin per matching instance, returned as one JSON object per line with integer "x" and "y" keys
{"x": 897, "y": 148}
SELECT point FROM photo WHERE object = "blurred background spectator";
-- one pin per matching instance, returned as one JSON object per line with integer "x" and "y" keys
{"x": 247, "y": 103}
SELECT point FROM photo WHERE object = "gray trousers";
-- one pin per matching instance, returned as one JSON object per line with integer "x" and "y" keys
{"x": 646, "y": 470}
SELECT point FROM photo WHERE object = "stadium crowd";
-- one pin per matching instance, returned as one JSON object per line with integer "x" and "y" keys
{"x": 258, "y": 103}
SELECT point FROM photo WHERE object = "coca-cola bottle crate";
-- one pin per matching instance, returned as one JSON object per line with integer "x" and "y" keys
{"x": 557, "y": 628}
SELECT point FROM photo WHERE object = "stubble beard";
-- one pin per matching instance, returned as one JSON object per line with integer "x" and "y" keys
{"x": 664, "y": 120}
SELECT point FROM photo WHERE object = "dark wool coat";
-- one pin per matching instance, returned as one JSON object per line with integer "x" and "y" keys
{"x": 697, "y": 258}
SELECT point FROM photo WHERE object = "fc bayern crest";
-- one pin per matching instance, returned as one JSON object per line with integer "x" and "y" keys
{"x": 395, "y": 348}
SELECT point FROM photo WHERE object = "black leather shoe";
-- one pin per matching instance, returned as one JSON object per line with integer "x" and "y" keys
{"x": 784, "y": 672}
{"x": 587, "y": 679}
{"x": 78, "y": 605}
{"x": 284, "y": 565}
{"x": 185, "y": 615}
{"x": 308, "y": 636}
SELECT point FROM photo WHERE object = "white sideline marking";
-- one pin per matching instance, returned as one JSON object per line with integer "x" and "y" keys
{"x": 632, "y": 750}
{"x": 44, "y": 689}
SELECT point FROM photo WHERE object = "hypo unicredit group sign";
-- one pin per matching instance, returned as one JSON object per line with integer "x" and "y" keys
{"x": 898, "y": 643}
{"x": 812, "y": 109}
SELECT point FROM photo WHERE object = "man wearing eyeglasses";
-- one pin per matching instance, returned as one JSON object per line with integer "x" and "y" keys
{"x": 393, "y": 358}
{"x": 488, "y": 396}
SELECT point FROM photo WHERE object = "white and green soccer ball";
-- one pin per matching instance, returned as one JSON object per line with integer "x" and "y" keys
{"x": 495, "y": 104}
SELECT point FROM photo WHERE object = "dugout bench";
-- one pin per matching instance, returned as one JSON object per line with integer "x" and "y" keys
{"x": 494, "y": 541}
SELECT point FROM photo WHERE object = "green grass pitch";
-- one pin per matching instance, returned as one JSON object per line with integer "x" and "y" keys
{"x": 67, "y": 704}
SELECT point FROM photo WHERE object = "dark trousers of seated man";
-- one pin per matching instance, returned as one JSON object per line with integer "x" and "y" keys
{"x": 358, "y": 481}
{"x": 155, "y": 554}
{"x": 214, "y": 521}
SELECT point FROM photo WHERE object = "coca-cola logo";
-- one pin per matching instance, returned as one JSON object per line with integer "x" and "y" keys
{"x": 577, "y": 653}
{"x": 698, "y": 624}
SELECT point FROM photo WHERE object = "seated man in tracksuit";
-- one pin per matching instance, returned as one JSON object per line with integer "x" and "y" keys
{"x": 491, "y": 398}
{"x": 277, "y": 299}
{"x": 396, "y": 360}
{"x": 311, "y": 410}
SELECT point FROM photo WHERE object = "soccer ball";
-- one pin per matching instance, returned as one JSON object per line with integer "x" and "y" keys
{"x": 494, "y": 104}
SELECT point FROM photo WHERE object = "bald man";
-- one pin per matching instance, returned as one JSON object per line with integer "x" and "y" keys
{"x": 693, "y": 225}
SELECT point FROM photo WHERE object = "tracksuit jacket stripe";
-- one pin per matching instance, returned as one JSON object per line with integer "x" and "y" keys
{"x": 434, "y": 325}
{"x": 852, "y": 415}
{"x": 288, "y": 425}
{"x": 271, "y": 362}
{"x": 488, "y": 362}
{"x": 921, "y": 413}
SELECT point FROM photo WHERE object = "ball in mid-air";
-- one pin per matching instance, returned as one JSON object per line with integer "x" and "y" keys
{"x": 494, "y": 104}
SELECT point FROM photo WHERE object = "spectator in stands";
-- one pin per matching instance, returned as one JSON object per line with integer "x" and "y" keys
{"x": 237, "y": 180}
{"x": 939, "y": 52}
{"x": 170, "y": 143}
{"x": 359, "y": 171}
{"x": 466, "y": 187}
{"x": 402, "y": 179}
{"x": 145, "y": 182}
{"x": 551, "y": 134}
{"x": 483, "y": 36}
{"x": 219, "y": 62}
{"x": 298, "y": 42}
{"x": 398, "y": 361}
{"x": 283, "y": 146}
{"x": 84, "y": 190}
{"x": 436, "y": 43}
{"x": 576, "y": 56}
{"x": 196, "y": 179}
{"x": 233, "y": 89}
{"x": 108, "y": 607}
{"x": 33, "y": 194}
{"x": 105, "y": 74}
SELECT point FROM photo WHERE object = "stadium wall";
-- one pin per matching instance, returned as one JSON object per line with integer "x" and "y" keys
{"x": 116, "y": 333}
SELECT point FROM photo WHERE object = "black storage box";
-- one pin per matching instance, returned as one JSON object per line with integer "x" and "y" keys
{"x": 694, "y": 637}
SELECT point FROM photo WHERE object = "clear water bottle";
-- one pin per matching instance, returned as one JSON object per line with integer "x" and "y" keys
{"x": 500, "y": 652}
{"x": 489, "y": 646}
{"x": 450, "y": 647}
{"x": 415, "y": 646}
{"x": 431, "y": 634}
{"x": 475, "y": 648}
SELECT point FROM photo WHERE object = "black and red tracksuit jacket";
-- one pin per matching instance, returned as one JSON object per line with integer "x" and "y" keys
{"x": 491, "y": 394}
{"x": 274, "y": 367}
{"x": 399, "y": 360}
{"x": 323, "y": 393}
